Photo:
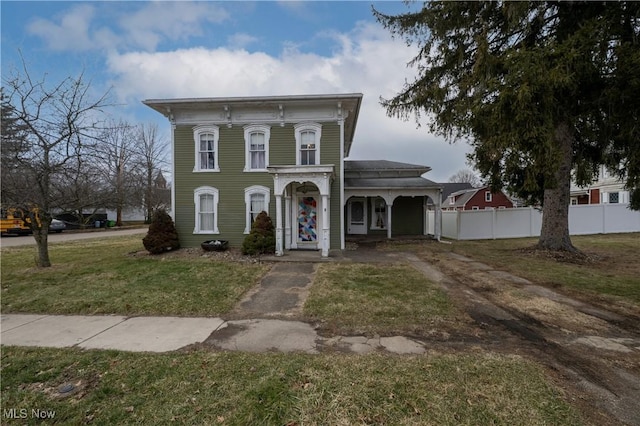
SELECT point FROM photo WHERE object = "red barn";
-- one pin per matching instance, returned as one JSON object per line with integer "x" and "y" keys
{"x": 477, "y": 199}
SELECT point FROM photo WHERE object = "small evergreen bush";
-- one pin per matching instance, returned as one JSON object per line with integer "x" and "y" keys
{"x": 261, "y": 239}
{"x": 162, "y": 235}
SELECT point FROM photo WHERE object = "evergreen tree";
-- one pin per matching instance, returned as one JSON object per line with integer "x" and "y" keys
{"x": 162, "y": 235}
{"x": 261, "y": 239}
{"x": 542, "y": 90}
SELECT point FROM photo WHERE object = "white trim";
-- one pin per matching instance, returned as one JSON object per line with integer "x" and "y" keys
{"x": 304, "y": 127}
{"x": 360, "y": 229}
{"x": 342, "y": 200}
{"x": 248, "y": 192}
{"x": 248, "y": 130}
{"x": 488, "y": 197}
{"x": 374, "y": 215}
{"x": 197, "y": 132}
{"x": 202, "y": 190}
{"x": 173, "y": 172}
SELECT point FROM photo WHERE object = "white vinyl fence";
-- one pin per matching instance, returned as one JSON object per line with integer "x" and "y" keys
{"x": 526, "y": 222}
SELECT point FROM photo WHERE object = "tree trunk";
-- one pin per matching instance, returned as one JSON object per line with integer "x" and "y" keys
{"x": 41, "y": 236}
{"x": 554, "y": 234}
{"x": 119, "y": 215}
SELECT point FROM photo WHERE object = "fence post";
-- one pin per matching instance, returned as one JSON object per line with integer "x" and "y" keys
{"x": 530, "y": 221}
{"x": 493, "y": 223}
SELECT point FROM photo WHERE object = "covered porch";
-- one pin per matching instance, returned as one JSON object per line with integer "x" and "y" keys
{"x": 389, "y": 213}
{"x": 303, "y": 196}
{"x": 387, "y": 198}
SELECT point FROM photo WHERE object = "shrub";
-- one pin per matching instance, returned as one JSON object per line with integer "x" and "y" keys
{"x": 262, "y": 237}
{"x": 162, "y": 235}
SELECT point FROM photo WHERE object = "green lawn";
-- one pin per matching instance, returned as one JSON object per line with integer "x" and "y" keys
{"x": 279, "y": 389}
{"x": 387, "y": 300}
{"x": 103, "y": 277}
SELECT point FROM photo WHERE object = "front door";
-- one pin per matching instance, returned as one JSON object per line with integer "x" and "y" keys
{"x": 357, "y": 216}
{"x": 307, "y": 221}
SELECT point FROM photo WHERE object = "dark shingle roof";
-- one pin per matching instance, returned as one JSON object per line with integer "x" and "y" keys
{"x": 399, "y": 182}
{"x": 381, "y": 165}
{"x": 449, "y": 188}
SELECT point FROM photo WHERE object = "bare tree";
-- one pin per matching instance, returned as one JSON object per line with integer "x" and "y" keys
{"x": 152, "y": 158}
{"x": 119, "y": 150}
{"x": 466, "y": 176}
{"x": 60, "y": 121}
{"x": 84, "y": 188}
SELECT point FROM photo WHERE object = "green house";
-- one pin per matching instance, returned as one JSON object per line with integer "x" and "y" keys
{"x": 235, "y": 157}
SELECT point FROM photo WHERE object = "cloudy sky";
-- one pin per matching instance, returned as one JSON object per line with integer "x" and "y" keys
{"x": 142, "y": 50}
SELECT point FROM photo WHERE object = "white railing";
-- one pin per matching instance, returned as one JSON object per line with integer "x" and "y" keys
{"x": 526, "y": 222}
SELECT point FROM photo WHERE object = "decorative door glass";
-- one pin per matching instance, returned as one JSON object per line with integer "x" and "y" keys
{"x": 307, "y": 219}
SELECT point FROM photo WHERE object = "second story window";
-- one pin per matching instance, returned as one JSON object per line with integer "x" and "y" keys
{"x": 207, "y": 152}
{"x": 308, "y": 143}
{"x": 307, "y": 148}
{"x": 257, "y": 147}
{"x": 206, "y": 144}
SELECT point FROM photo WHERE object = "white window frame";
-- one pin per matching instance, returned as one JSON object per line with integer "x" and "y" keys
{"x": 374, "y": 214}
{"x": 248, "y": 192}
{"x": 475, "y": 208}
{"x": 248, "y": 130}
{"x": 197, "y": 132}
{"x": 306, "y": 127}
{"x": 488, "y": 197}
{"x": 206, "y": 190}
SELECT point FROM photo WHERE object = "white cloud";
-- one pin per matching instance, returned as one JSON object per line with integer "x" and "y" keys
{"x": 172, "y": 20}
{"x": 80, "y": 28}
{"x": 71, "y": 33}
{"x": 240, "y": 40}
{"x": 367, "y": 61}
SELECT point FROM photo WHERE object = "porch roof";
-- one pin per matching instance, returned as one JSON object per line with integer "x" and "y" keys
{"x": 390, "y": 183}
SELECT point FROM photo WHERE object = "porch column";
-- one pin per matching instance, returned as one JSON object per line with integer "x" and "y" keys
{"x": 437, "y": 229}
{"x": 389, "y": 206}
{"x": 438, "y": 225}
{"x": 325, "y": 225}
{"x": 287, "y": 221}
{"x": 279, "y": 251}
{"x": 425, "y": 216}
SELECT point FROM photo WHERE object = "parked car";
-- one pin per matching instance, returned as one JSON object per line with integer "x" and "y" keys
{"x": 57, "y": 226}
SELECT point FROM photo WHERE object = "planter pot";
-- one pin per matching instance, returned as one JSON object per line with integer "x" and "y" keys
{"x": 215, "y": 245}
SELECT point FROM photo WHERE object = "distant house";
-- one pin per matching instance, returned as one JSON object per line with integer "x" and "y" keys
{"x": 607, "y": 189}
{"x": 451, "y": 187}
{"x": 477, "y": 199}
{"x": 448, "y": 188}
{"x": 161, "y": 199}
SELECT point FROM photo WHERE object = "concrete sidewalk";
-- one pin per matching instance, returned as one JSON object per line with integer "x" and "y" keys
{"x": 143, "y": 334}
{"x": 164, "y": 334}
